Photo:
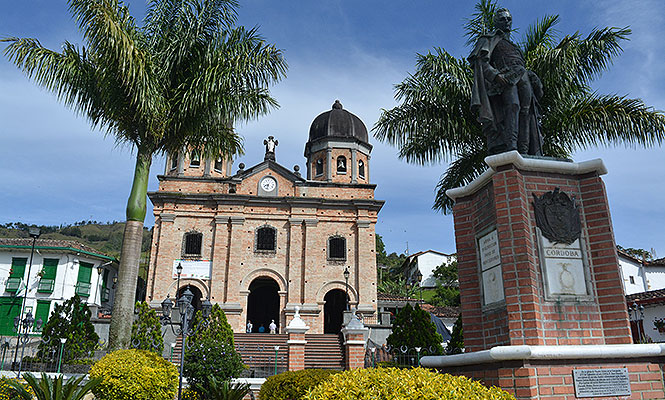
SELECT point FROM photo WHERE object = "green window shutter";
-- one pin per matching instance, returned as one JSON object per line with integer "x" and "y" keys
{"x": 10, "y": 307}
{"x": 105, "y": 278}
{"x": 43, "y": 310}
{"x": 83, "y": 284}
{"x": 18, "y": 267}
{"x": 50, "y": 268}
{"x": 85, "y": 272}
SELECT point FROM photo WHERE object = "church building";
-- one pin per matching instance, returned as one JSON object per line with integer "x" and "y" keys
{"x": 264, "y": 240}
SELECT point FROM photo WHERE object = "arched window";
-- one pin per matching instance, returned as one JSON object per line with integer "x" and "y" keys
{"x": 266, "y": 239}
{"x": 341, "y": 165}
{"x": 193, "y": 242}
{"x": 319, "y": 167}
{"x": 195, "y": 159}
{"x": 218, "y": 164}
{"x": 174, "y": 161}
{"x": 336, "y": 248}
{"x": 361, "y": 169}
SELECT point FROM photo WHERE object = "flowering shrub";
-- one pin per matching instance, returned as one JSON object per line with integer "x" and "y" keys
{"x": 403, "y": 384}
{"x": 8, "y": 393}
{"x": 134, "y": 375}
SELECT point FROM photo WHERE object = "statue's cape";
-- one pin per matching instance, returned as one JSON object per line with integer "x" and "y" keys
{"x": 480, "y": 103}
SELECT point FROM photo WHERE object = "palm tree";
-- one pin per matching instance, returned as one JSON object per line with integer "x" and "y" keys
{"x": 434, "y": 122}
{"x": 181, "y": 80}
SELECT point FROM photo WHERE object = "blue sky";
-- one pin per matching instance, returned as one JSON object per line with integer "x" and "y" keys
{"x": 54, "y": 169}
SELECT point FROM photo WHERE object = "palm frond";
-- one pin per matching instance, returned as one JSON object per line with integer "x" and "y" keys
{"x": 594, "y": 120}
{"x": 467, "y": 167}
{"x": 540, "y": 34}
{"x": 481, "y": 21}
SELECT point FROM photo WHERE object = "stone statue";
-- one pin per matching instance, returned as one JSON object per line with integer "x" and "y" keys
{"x": 505, "y": 94}
{"x": 270, "y": 144}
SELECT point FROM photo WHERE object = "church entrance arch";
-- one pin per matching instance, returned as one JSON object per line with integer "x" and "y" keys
{"x": 196, "y": 300}
{"x": 263, "y": 304}
{"x": 333, "y": 311}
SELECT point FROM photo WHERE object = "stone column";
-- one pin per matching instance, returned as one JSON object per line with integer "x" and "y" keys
{"x": 355, "y": 337}
{"x": 296, "y": 331}
{"x": 329, "y": 165}
{"x": 206, "y": 167}
{"x": 354, "y": 166}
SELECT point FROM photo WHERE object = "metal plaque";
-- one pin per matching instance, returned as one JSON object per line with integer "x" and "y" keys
{"x": 601, "y": 382}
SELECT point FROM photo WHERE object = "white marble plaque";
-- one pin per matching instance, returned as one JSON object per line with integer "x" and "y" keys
{"x": 564, "y": 270}
{"x": 489, "y": 250}
{"x": 198, "y": 269}
{"x": 492, "y": 285}
{"x": 606, "y": 382}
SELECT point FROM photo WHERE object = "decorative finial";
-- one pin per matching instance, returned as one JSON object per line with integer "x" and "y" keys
{"x": 337, "y": 105}
{"x": 270, "y": 144}
{"x": 241, "y": 167}
{"x": 296, "y": 170}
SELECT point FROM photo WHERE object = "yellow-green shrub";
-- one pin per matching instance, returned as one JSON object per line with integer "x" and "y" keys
{"x": 292, "y": 384}
{"x": 8, "y": 393}
{"x": 403, "y": 384}
{"x": 135, "y": 375}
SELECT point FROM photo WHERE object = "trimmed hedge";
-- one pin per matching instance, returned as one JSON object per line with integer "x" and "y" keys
{"x": 134, "y": 375}
{"x": 293, "y": 385}
{"x": 403, "y": 384}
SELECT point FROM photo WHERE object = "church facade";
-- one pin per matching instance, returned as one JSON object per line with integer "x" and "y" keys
{"x": 265, "y": 239}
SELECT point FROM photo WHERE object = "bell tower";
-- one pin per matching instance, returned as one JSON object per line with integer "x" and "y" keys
{"x": 338, "y": 149}
{"x": 191, "y": 162}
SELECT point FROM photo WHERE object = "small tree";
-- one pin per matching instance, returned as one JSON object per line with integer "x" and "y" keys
{"x": 456, "y": 344}
{"x": 69, "y": 320}
{"x": 210, "y": 352}
{"x": 146, "y": 330}
{"x": 413, "y": 327}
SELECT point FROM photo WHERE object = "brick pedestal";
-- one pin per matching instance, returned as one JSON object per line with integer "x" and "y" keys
{"x": 528, "y": 325}
{"x": 355, "y": 336}
{"x": 502, "y": 200}
{"x": 296, "y": 331}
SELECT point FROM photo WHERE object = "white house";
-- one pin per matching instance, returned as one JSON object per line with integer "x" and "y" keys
{"x": 59, "y": 269}
{"x": 640, "y": 275}
{"x": 424, "y": 263}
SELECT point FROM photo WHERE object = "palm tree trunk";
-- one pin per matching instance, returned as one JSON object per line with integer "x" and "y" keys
{"x": 123, "y": 306}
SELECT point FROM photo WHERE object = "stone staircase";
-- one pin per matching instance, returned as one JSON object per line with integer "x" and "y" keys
{"x": 324, "y": 351}
{"x": 258, "y": 350}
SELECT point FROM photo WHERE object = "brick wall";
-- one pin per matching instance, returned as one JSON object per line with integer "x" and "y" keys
{"x": 554, "y": 381}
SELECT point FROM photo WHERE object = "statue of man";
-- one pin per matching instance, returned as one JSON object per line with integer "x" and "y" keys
{"x": 505, "y": 94}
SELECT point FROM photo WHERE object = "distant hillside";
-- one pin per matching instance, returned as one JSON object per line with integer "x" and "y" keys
{"x": 105, "y": 237}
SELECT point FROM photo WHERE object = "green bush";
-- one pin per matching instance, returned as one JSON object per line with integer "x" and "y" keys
{"x": 403, "y": 384}
{"x": 413, "y": 327}
{"x": 70, "y": 320}
{"x": 134, "y": 375}
{"x": 456, "y": 344}
{"x": 46, "y": 388}
{"x": 210, "y": 352}
{"x": 293, "y": 385}
{"x": 146, "y": 330}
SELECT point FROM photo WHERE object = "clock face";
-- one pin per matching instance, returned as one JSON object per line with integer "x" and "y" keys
{"x": 268, "y": 184}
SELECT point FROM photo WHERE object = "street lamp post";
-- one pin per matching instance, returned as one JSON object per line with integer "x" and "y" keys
{"x": 34, "y": 233}
{"x": 276, "y": 350}
{"x": 178, "y": 271}
{"x": 23, "y": 326}
{"x": 346, "y": 286}
{"x": 186, "y": 311}
{"x": 62, "y": 349}
{"x": 638, "y": 317}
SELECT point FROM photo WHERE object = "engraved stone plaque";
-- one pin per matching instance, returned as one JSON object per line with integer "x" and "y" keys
{"x": 490, "y": 267}
{"x": 492, "y": 285}
{"x": 489, "y": 250}
{"x": 564, "y": 269}
{"x": 601, "y": 382}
